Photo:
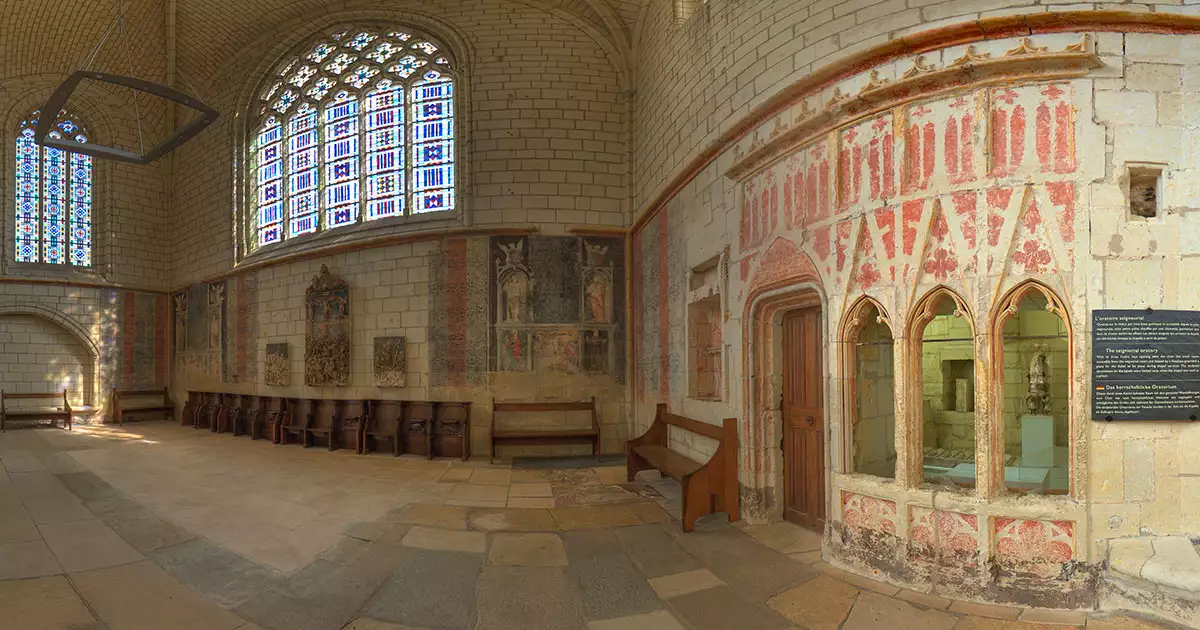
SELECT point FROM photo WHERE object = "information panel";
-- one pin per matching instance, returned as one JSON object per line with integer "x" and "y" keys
{"x": 1146, "y": 365}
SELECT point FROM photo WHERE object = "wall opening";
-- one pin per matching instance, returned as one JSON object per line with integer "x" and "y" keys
{"x": 945, "y": 346}
{"x": 1035, "y": 350}
{"x": 43, "y": 357}
{"x": 1145, "y": 190}
{"x": 871, "y": 361}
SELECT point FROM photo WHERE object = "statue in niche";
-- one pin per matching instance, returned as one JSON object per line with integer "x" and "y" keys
{"x": 216, "y": 314}
{"x": 327, "y": 338}
{"x": 515, "y": 285}
{"x": 180, "y": 322}
{"x": 599, "y": 297}
{"x": 1038, "y": 399}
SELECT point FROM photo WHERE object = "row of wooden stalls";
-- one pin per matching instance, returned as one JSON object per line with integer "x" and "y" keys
{"x": 421, "y": 427}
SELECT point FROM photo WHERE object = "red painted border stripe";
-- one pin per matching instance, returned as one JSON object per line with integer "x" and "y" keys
{"x": 456, "y": 311}
{"x": 664, "y": 312}
{"x": 128, "y": 336}
{"x": 161, "y": 317}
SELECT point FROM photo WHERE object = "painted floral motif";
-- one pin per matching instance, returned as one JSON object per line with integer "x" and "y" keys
{"x": 940, "y": 265}
{"x": 1038, "y": 547}
{"x": 943, "y": 534}
{"x": 864, "y": 513}
{"x": 867, "y": 277}
{"x": 1032, "y": 257}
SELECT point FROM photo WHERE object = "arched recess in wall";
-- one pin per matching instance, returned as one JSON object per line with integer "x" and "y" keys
{"x": 938, "y": 432}
{"x": 60, "y": 321}
{"x": 868, "y": 377}
{"x": 786, "y": 280}
{"x": 1031, "y": 347}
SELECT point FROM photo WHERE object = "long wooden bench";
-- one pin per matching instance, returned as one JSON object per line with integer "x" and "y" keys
{"x": 41, "y": 413}
{"x": 581, "y": 435}
{"x": 709, "y": 487}
{"x": 121, "y": 403}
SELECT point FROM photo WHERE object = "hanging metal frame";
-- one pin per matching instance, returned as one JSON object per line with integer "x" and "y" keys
{"x": 46, "y": 122}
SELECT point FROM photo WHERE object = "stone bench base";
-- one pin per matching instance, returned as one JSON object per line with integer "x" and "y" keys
{"x": 1155, "y": 575}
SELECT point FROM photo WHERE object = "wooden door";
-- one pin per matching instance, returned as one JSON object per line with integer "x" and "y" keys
{"x": 803, "y": 419}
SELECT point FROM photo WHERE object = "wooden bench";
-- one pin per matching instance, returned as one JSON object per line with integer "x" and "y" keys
{"x": 295, "y": 421}
{"x": 351, "y": 421}
{"x": 270, "y": 420}
{"x": 580, "y": 435}
{"x": 382, "y": 426}
{"x": 190, "y": 407}
{"x": 451, "y": 435}
{"x": 709, "y": 487}
{"x": 53, "y": 414}
{"x": 251, "y": 407}
{"x": 121, "y": 404}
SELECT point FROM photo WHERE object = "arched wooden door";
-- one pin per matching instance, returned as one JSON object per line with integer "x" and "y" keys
{"x": 803, "y": 419}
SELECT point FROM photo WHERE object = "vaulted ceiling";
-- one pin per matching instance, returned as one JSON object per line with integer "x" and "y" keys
{"x": 55, "y": 36}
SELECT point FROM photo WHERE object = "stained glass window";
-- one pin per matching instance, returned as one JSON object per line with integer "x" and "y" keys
{"x": 358, "y": 126}
{"x": 53, "y": 197}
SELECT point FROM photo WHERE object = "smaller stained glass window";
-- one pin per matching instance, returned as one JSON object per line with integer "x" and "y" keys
{"x": 53, "y": 197}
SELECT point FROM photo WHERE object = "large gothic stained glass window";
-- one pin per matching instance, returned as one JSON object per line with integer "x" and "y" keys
{"x": 53, "y": 197}
{"x": 359, "y": 126}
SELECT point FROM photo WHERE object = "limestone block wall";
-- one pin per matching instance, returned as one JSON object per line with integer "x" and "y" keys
{"x": 542, "y": 122}
{"x": 42, "y": 357}
{"x": 447, "y": 299}
{"x": 892, "y": 179}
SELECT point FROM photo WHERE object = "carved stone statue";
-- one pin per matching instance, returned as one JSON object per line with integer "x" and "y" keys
{"x": 1038, "y": 399}
{"x": 514, "y": 284}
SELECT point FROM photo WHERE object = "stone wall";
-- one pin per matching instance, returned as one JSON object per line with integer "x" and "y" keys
{"x": 450, "y": 303}
{"x": 542, "y": 123}
{"x": 894, "y": 177}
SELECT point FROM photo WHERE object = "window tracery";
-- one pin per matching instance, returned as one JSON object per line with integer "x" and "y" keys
{"x": 53, "y": 196}
{"x": 357, "y": 127}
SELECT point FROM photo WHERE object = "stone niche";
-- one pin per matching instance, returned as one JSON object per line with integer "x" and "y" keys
{"x": 706, "y": 316}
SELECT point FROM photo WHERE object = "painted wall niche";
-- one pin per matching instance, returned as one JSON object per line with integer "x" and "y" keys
{"x": 706, "y": 317}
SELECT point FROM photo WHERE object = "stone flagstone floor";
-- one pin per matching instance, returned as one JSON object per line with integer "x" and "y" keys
{"x": 159, "y": 527}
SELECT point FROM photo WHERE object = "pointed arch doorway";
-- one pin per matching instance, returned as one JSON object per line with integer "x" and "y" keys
{"x": 803, "y": 414}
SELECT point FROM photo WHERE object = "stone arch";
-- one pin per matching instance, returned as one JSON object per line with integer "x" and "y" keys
{"x": 789, "y": 282}
{"x": 1006, "y": 308}
{"x": 73, "y": 328}
{"x": 848, "y": 354}
{"x": 910, "y": 421}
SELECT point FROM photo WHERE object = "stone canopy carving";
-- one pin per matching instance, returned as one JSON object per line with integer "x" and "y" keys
{"x": 327, "y": 336}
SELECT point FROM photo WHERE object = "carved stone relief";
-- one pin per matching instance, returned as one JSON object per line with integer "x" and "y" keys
{"x": 279, "y": 372}
{"x": 181, "y": 322}
{"x": 327, "y": 338}
{"x": 390, "y": 368}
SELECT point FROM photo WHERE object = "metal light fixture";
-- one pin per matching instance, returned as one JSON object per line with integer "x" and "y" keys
{"x": 43, "y": 135}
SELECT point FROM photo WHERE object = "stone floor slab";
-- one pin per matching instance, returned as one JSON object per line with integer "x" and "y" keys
{"x": 660, "y": 620}
{"x": 537, "y": 489}
{"x": 472, "y": 492}
{"x": 364, "y": 623}
{"x": 749, "y": 568}
{"x": 873, "y": 611}
{"x": 1123, "y": 622}
{"x": 522, "y": 598}
{"x": 820, "y": 604}
{"x": 150, "y": 533}
{"x": 535, "y": 503}
{"x": 47, "y": 603}
{"x": 446, "y": 540}
{"x": 526, "y": 550}
{"x": 87, "y": 486}
{"x": 141, "y": 596}
{"x": 983, "y": 623}
{"x": 512, "y": 520}
{"x": 224, "y": 576}
{"x": 87, "y": 545}
{"x": 669, "y": 586}
{"x": 16, "y": 526}
{"x": 590, "y": 543}
{"x": 596, "y": 517}
{"x": 430, "y": 515}
{"x": 720, "y": 608}
{"x": 491, "y": 477}
{"x": 27, "y": 560}
{"x": 784, "y": 537}
{"x": 431, "y": 589}
{"x": 610, "y": 586}
{"x": 655, "y": 551}
{"x": 64, "y": 508}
